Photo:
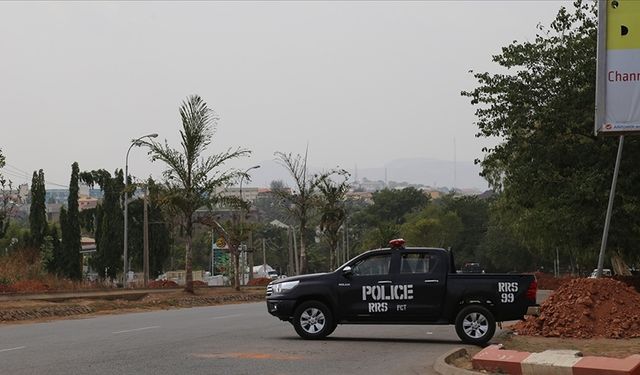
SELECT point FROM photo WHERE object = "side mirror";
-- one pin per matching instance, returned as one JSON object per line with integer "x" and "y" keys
{"x": 347, "y": 271}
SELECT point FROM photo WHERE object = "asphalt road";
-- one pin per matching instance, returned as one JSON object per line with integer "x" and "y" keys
{"x": 230, "y": 339}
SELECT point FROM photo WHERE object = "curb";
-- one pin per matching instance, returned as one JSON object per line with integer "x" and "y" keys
{"x": 495, "y": 359}
{"x": 442, "y": 366}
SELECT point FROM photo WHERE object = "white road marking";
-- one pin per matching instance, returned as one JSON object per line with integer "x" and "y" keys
{"x": 16, "y": 348}
{"x": 136, "y": 329}
{"x": 227, "y": 316}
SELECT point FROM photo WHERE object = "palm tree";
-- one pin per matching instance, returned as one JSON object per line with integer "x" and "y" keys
{"x": 191, "y": 178}
{"x": 334, "y": 213}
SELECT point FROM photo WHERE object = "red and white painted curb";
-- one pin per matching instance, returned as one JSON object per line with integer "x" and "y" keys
{"x": 570, "y": 362}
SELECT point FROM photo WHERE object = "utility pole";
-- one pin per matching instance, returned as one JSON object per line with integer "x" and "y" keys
{"x": 264, "y": 256}
{"x": 136, "y": 142}
{"x": 250, "y": 255}
{"x": 145, "y": 238}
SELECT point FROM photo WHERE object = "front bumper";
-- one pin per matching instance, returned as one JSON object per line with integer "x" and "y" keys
{"x": 281, "y": 308}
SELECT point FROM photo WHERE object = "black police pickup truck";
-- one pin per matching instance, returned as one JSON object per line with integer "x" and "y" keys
{"x": 402, "y": 285}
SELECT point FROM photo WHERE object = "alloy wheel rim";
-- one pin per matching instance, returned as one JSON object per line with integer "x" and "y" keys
{"x": 475, "y": 325}
{"x": 312, "y": 320}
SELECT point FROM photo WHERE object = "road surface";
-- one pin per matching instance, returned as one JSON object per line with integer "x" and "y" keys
{"x": 229, "y": 339}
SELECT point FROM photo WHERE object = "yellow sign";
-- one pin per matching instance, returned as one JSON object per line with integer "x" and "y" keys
{"x": 623, "y": 24}
{"x": 220, "y": 243}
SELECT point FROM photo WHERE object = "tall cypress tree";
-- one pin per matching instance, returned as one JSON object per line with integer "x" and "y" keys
{"x": 56, "y": 264}
{"x": 107, "y": 260}
{"x": 37, "y": 213}
{"x": 71, "y": 230}
{"x": 111, "y": 238}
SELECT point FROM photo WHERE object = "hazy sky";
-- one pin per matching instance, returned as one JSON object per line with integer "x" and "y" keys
{"x": 362, "y": 83}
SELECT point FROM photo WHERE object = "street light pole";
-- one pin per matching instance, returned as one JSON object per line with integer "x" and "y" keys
{"x": 242, "y": 221}
{"x": 135, "y": 142}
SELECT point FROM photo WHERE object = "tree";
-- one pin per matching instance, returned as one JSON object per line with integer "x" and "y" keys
{"x": 392, "y": 205}
{"x": 37, "y": 211}
{"x": 549, "y": 167}
{"x": 55, "y": 264}
{"x": 6, "y": 206}
{"x": 159, "y": 236}
{"x": 301, "y": 201}
{"x": 433, "y": 226}
{"x": 108, "y": 222}
{"x": 71, "y": 230}
{"x": 474, "y": 215}
{"x": 191, "y": 178}
{"x": 334, "y": 213}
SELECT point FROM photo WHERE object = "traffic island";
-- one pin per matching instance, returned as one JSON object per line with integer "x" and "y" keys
{"x": 570, "y": 362}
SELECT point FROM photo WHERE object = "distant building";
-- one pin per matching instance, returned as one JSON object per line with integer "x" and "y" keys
{"x": 86, "y": 203}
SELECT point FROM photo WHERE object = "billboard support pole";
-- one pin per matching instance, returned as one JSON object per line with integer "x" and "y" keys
{"x": 607, "y": 220}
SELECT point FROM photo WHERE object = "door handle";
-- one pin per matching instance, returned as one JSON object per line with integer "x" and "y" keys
{"x": 432, "y": 281}
{"x": 384, "y": 282}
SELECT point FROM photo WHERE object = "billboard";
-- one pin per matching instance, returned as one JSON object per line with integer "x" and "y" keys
{"x": 618, "y": 82}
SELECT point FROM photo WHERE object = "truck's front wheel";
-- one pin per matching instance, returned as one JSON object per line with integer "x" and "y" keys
{"x": 312, "y": 320}
{"x": 475, "y": 325}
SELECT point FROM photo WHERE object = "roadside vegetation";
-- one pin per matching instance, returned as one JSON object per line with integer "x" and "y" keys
{"x": 549, "y": 178}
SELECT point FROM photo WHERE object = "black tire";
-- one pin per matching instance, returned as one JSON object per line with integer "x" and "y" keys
{"x": 313, "y": 320}
{"x": 475, "y": 325}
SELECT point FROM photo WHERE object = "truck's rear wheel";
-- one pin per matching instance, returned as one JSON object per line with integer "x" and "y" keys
{"x": 312, "y": 320}
{"x": 475, "y": 325}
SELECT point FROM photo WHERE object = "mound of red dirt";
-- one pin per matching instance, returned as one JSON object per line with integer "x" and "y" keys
{"x": 199, "y": 283}
{"x": 586, "y": 308}
{"x": 259, "y": 281}
{"x": 163, "y": 284}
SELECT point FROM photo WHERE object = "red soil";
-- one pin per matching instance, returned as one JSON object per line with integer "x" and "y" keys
{"x": 586, "y": 308}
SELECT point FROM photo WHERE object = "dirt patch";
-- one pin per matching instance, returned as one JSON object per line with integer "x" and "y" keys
{"x": 617, "y": 348}
{"x": 29, "y": 311}
{"x": 587, "y": 308}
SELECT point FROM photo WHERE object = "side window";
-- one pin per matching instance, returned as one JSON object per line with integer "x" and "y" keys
{"x": 373, "y": 265}
{"x": 417, "y": 263}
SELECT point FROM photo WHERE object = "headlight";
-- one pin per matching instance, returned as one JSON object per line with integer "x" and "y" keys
{"x": 283, "y": 287}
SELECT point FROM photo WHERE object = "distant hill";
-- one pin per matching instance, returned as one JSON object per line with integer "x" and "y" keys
{"x": 428, "y": 172}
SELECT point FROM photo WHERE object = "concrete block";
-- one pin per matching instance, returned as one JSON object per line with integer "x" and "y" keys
{"x": 608, "y": 366}
{"x": 495, "y": 359}
{"x": 551, "y": 362}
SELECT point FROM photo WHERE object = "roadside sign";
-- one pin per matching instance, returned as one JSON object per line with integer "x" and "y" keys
{"x": 618, "y": 81}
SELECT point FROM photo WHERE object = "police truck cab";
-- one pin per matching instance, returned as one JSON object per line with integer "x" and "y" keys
{"x": 402, "y": 285}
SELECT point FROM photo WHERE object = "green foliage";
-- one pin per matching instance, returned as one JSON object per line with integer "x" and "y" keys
{"x": 433, "y": 227}
{"x": 5, "y": 203}
{"x": 70, "y": 226}
{"x": 474, "y": 216}
{"x": 391, "y": 206}
{"x": 379, "y": 235}
{"x": 46, "y": 252}
{"x": 552, "y": 172}
{"x": 37, "y": 211}
{"x": 55, "y": 265}
{"x": 107, "y": 260}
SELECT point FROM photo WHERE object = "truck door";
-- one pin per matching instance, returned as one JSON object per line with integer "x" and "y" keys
{"x": 361, "y": 291}
{"x": 424, "y": 272}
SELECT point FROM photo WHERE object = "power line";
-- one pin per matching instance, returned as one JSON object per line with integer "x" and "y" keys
{"x": 21, "y": 173}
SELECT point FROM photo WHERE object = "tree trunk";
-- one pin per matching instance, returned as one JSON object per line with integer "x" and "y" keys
{"x": 236, "y": 267}
{"x": 187, "y": 262}
{"x": 303, "y": 250}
